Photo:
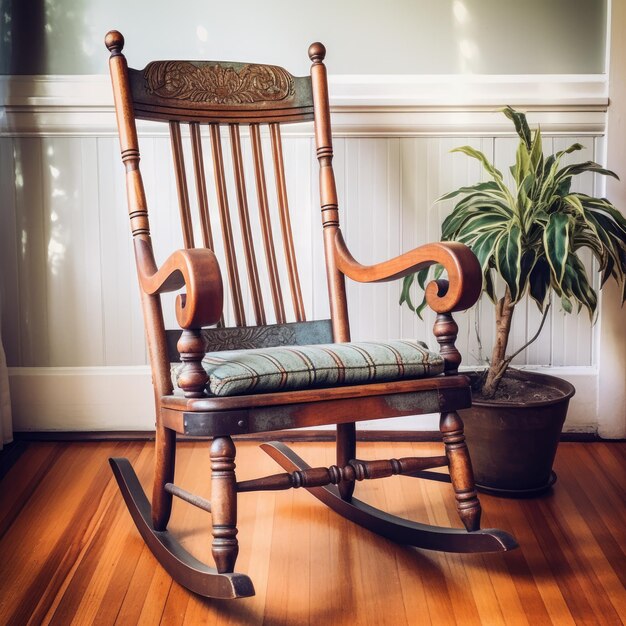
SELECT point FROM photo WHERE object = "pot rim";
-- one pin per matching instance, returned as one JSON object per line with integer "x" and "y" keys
{"x": 547, "y": 380}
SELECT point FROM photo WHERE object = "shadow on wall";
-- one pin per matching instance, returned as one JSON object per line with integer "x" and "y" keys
{"x": 25, "y": 30}
{"x": 37, "y": 34}
{"x": 23, "y": 35}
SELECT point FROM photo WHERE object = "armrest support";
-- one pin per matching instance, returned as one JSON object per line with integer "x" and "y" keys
{"x": 459, "y": 292}
{"x": 195, "y": 269}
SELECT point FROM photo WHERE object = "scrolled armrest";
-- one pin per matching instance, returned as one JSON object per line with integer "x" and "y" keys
{"x": 459, "y": 292}
{"x": 195, "y": 269}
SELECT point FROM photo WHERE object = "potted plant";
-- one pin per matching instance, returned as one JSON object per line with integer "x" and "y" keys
{"x": 531, "y": 237}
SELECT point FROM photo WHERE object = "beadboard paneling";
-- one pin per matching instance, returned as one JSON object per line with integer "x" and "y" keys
{"x": 69, "y": 266}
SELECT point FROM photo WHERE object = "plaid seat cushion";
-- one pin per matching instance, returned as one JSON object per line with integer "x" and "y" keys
{"x": 327, "y": 365}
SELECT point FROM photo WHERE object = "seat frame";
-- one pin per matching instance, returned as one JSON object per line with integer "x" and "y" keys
{"x": 197, "y": 270}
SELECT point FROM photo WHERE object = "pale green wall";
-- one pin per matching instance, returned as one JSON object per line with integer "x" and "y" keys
{"x": 362, "y": 36}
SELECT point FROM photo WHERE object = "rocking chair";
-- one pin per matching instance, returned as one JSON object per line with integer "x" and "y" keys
{"x": 284, "y": 375}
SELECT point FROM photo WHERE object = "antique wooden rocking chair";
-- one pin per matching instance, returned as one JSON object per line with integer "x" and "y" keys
{"x": 245, "y": 398}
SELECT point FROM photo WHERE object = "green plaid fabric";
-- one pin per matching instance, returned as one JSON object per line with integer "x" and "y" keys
{"x": 286, "y": 368}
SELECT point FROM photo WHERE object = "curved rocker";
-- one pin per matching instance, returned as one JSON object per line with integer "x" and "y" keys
{"x": 390, "y": 526}
{"x": 179, "y": 564}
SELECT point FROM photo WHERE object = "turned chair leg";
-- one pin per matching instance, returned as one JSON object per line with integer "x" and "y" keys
{"x": 224, "y": 504}
{"x": 461, "y": 474}
{"x": 346, "y": 452}
{"x": 165, "y": 458}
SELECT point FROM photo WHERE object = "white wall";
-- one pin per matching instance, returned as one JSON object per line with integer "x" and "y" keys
{"x": 362, "y": 36}
{"x": 611, "y": 353}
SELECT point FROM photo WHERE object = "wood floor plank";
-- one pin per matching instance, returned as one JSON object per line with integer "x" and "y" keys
{"x": 70, "y": 554}
{"x": 424, "y": 565}
{"x": 608, "y": 589}
{"x": 610, "y": 459}
{"x": 96, "y": 593}
{"x": 517, "y": 563}
{"x": 412, "y": 586}
{"x": 63, "y": 510}
{"x": 574, "y": 579}
{"x": 22, "y": 480}
{"x": 596, "y": 484}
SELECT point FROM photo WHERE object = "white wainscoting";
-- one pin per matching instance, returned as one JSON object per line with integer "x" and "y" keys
{"x": 73, "y": 332}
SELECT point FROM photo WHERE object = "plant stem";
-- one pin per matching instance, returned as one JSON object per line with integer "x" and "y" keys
{"x": 543, "y": 321}
{"x": 498, "y": 363}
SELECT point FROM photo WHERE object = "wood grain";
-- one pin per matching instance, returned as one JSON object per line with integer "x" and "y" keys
{"x": 70, "y": 554}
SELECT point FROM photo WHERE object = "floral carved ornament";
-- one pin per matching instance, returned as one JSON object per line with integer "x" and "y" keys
{"x": 218, "y": 83}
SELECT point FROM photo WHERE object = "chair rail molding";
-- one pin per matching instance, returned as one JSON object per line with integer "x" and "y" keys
{"x": 367, "y": 105}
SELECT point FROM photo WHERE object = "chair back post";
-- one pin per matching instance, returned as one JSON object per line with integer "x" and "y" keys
{"x": 328, "y": 193}
{"x": 138, "y": 213}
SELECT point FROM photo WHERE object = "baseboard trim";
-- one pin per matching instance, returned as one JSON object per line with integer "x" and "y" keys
{"x": 304, "y": 435}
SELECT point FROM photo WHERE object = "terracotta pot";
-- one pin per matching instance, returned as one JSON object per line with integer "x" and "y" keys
{"x": 513, "y": 444}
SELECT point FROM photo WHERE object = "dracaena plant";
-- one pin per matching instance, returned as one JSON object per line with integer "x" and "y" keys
{"x": 532, "y": 236}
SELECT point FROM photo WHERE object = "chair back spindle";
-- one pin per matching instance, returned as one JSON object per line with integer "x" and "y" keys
{"x": 244, "y": 221}
{"x": 181, "y": 184}
{"x": 285, "y": 223}
{"x": 226, "y": 224}
{"x": 201, "y": 189}
{"x": 266, "y": 226}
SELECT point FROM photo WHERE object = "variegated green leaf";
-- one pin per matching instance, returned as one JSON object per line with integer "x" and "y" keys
{"x": 522, "y": 163}
{"x": 602, "y": 206}
{"x": 405, "y": 294}
{"x": 477, "y": 154}
{"x": 483, "y": 221}
{"x": 483, "y": 247}
{"x": 573, "y": 148}
{"x": 574, "y": 201}
{"x": 580, "y": 168}
{"x": 529, "y": 258}
{"x": 422, "y": 276}
{"x": 524, "y": 201}
{"x": 577, "y": 284}
{"x": 508, "y": 257}
{"x": 588, "y": 239}
{"x": 521, "y": 125}
{"x": 608, "y": 271}
{"x": 556, "y": 243}
{"x": 489, "y": 185}
{"x": 488, "y": 286}
{"x": 536, "y": 153}
{"x": 539, "y": 282}
{"x": 602, "y": 230}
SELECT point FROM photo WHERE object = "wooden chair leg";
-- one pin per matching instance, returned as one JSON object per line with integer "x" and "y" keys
{"x": 461, "y": 474}
{"x": 165, "y": 459}
{"x": 346, "y": 451}
{"x": 224, "y": 504}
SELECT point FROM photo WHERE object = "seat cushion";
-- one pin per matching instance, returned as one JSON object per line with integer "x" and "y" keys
{"x": 285, "y": 368}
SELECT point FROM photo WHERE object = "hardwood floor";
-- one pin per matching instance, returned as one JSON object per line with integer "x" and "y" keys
{"x": 69, "y": 553}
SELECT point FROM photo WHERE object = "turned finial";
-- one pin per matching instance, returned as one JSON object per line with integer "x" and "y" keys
{"x": 317, "y": 52}
{"x": 114, "y": 41}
